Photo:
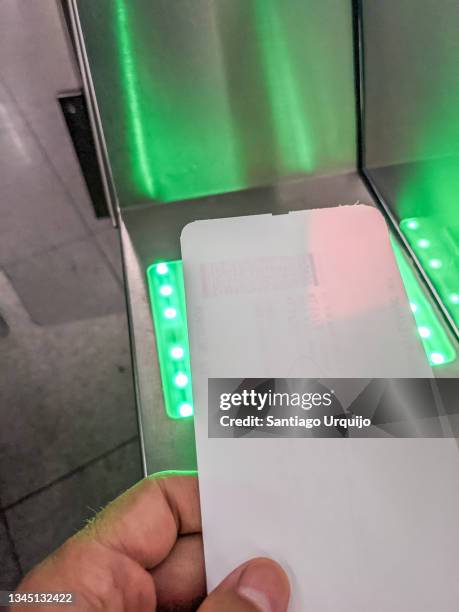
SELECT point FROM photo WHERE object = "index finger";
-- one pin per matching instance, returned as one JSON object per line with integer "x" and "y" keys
{"x": 145, "y": 522}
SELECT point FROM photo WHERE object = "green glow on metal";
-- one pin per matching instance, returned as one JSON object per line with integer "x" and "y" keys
{"x": 203, "y": 115}
{"x": 438, "y": 348}
{"x": 169, "y": 315}
{"x": 178, "y": 120}
{"x": 437, "y": 249}
{"x": 132, "y": 92}
{"x": 293, "y": 134}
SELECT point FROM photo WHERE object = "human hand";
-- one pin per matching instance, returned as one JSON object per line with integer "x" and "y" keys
{"x": 144, "y": 552}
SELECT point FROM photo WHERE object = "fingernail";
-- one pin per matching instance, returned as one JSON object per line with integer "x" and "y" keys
{"x": 265, "y": 585}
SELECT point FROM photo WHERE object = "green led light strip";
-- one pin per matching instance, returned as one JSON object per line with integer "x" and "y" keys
{"x": 438, "y": 254}
{"x": 437, "y": 345}
{"x": 167, "y": 295}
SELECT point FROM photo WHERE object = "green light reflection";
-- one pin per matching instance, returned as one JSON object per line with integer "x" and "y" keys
{"x": 437, "y": 249}
{"x": 217, "y": 97}
{"x": 132, "y": 91}
{"x": 438, "y": 348}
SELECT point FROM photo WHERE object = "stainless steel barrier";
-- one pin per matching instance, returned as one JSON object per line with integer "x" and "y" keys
{"x": 216, "y": 108}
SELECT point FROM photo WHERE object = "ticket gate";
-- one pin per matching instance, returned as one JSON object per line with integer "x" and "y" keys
{"x": 216, "y": 108}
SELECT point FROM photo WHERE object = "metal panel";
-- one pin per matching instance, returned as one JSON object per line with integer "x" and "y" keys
{"x": 146, "y": 232}
{"x": 411, "y": 131}
{"x": 411, "y": 53}
{"x": 208, "y": 96}
{"x": 202, "y": 97}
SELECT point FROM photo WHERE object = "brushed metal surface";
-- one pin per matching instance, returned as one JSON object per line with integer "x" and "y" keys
{"x": 411, "y": 80}
{"x": 411, "y": 121}
{"x": 217, "y": 108}
{"x": 203, "y": 98}
{"x": 148, "y": 231}
{"x": 151, "y": 231}
{"x": 210, "y": 96}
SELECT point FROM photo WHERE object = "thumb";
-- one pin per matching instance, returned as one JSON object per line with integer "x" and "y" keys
{"x": 260, "y": 585}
